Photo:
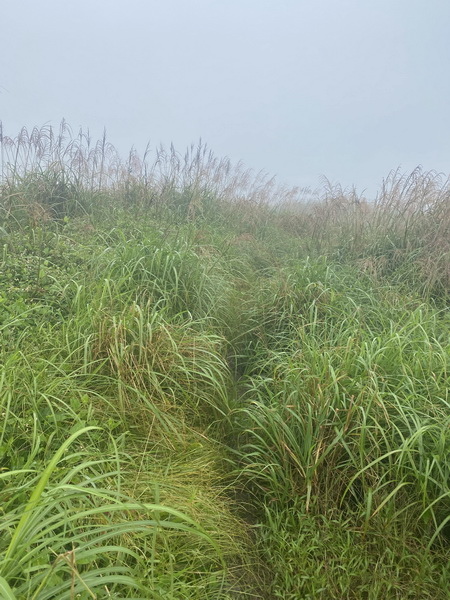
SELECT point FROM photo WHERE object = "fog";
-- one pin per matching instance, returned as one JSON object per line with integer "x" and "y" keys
{"x": 345, "y": 89}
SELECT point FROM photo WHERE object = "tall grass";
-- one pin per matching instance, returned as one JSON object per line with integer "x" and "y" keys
{"x": 73, "y": 540}
{"x": 402, "y": 235}
{"x": 48, "y": 174}
{"x": 345, "y": 417}
{"x": 135, "y": 509}
{"x": 205, "y": 378}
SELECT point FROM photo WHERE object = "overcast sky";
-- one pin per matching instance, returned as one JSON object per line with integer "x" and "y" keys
{"x": 349, "y": 89}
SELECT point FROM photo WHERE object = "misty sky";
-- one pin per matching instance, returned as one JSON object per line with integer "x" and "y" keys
{"x": 349, "y": 89}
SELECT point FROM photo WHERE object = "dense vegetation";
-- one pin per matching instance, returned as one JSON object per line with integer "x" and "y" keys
{"x": 211, "y": 387}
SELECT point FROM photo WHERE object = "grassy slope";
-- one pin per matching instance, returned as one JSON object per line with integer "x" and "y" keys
{"x": 204, "y": 397}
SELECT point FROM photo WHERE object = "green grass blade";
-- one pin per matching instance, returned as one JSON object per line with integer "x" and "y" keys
{"x": 37, "y": 493}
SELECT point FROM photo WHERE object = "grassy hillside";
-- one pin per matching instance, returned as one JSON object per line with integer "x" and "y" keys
{"x": 215, "y": 388}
